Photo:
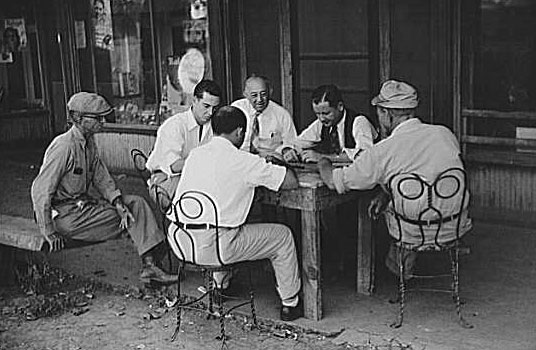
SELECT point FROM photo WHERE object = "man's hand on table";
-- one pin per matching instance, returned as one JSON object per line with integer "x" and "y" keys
{"x": 290, "y": 155}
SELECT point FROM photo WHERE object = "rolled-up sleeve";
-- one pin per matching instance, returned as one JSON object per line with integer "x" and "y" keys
{"x": 168, "y": 148}
{"x": 363, "y": 174}
{"x": 46, "y": 183}
{"x": 363, "y": 133}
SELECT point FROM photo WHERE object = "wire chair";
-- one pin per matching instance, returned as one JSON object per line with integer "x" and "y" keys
{"x": 431, "y": 207}
{"x": 187, "y": 255}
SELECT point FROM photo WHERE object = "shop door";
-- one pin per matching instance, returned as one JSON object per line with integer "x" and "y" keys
{"x": 333, "y": 48}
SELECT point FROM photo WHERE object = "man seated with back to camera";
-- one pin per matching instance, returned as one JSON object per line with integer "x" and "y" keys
{"x": 408, "y": 146}
{"x": 229, "y": 176}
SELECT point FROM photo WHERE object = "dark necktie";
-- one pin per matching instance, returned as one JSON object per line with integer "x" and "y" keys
{"x": 254, "y": 133}
{"x": 334, "y": 140}
{"x": 200, "y": 132}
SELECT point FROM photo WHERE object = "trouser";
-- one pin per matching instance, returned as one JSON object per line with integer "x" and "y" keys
{"x": 247, "y": 242}
{"x": 99, "y": 221}
{"x": 169, "y": 184}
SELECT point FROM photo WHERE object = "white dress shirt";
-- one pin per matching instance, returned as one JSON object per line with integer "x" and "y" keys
{"x": 175, "y": 138}
{"x": 276, "y": 126}
{"x": 362, "y": 131}
{"x": 229, "y": 176}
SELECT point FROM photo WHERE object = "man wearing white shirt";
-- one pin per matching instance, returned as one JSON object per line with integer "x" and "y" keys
{"x": 181, "y": 133}
{"x": 338, "y": 132}
{"x": 409, "y": 146}
{"x": 229, "y": 177}
{"x": 269, "y": 125}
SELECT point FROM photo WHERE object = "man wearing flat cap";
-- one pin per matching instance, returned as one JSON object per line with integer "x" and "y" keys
{"x": 74, "y": 197}
{"x": 407, "y": 146}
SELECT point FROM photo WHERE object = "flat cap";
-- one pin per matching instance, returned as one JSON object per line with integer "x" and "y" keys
{"x": 89, "y": 103}
{"x": 396, "y": 94}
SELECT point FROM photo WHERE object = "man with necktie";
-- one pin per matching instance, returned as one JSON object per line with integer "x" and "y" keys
{"x": 338, "y": 133}
{"x": 269, "y": 124}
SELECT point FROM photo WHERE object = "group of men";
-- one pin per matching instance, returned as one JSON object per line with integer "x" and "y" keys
{"x": 225, "y": 152}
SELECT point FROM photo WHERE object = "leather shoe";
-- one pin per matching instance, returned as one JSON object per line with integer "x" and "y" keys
{"x": 289, "y": 313}
{"x": 153, "y": 274}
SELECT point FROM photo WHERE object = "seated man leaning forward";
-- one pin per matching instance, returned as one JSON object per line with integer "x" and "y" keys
{"x": 229, "y": 176}
{"x": 269, "y": 124}
{"x": 75, "y": 197}
{"x": 181, "y": 133}
{"x": 338, "y": 132}
{"x": 408, "y": 145}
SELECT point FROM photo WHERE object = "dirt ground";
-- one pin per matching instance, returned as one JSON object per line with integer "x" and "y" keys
{"x": 498, "y": 283}
{"x": 73, "y": 312}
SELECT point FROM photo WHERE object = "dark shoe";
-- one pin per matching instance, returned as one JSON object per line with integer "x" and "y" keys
{"x": 289, "y": 313}
{"x": 153, "y": 274}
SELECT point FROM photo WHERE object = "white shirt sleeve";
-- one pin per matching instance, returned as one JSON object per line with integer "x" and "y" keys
{"x": 364, "y": 135}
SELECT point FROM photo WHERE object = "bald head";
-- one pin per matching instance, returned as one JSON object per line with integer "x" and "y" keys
{"x": 257, "y": 92}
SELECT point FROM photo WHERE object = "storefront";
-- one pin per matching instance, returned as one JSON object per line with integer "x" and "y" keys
{"x": 473, "y": 62}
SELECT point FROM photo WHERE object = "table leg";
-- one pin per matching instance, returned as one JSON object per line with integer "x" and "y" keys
{"x": 311, "y": 267}
{"x": 365, "y": 249}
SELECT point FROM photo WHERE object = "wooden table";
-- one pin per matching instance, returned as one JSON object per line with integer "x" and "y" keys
{"x": 311, "y": 198}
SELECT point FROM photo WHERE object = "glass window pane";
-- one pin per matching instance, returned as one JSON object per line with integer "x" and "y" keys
{"x": 149, "y": 54}
{"x": 505, "y": 68}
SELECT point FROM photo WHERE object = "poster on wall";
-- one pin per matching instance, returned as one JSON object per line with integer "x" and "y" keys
{"x": 102, "y": 24}
{"x": 13, "y": 35}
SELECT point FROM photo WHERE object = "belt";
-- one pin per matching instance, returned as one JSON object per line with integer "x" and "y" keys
{"x": 196, "y": 226}
{"x": 429, "y": 222}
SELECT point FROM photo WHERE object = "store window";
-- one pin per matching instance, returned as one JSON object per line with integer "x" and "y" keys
{"x": 500, "y": 70}
{"x": 148, "y": 55}
{"x": 21, "y": 83}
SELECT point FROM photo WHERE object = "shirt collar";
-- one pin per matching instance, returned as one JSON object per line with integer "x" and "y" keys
{"x": 223, "y": 142}
{"x": 191, "y": 123}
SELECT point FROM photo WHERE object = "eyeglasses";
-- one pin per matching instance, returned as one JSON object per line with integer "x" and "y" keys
{"x": 99, "y": 118}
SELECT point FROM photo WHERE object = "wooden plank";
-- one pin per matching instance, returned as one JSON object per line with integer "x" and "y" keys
{"x": 499, "y": 141}
{"x": 311, "y": 265}
{"x": 21, "y": 233}
{"x": 508, "y": 158}
{"x": 285, "y": 56}
{"x": 489, "y": 114}
{"x": 385, "y": 40}
{"x": 365, "y": 249}
{"x": 334, "y": 56}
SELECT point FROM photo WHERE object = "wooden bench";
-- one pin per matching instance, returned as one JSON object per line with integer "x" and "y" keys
{"x": 20, "y": 237}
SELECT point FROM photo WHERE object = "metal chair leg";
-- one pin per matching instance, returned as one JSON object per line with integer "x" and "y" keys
{"x": 179, "y": 305}
{"x": 401, "y": 290}
{"x": 252, "y": 299}
{"x": 454, "y": 259}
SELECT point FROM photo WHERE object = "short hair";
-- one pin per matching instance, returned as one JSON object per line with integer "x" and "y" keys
{"x": 208, "y": 86}
{"x": 227, "y": 119}
{"x": 261, "y": 77}
{"x": 327, "y": 93}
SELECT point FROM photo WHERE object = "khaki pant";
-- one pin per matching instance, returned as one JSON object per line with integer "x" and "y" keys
{"x": 247, "y": 242}
{"x": 168, "y": 184}
{"x": 99, "y": 221}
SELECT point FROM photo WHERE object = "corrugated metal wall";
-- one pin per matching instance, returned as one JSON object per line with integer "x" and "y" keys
{"x": 503, "y": 192}
{"x": 115, "y": 149}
